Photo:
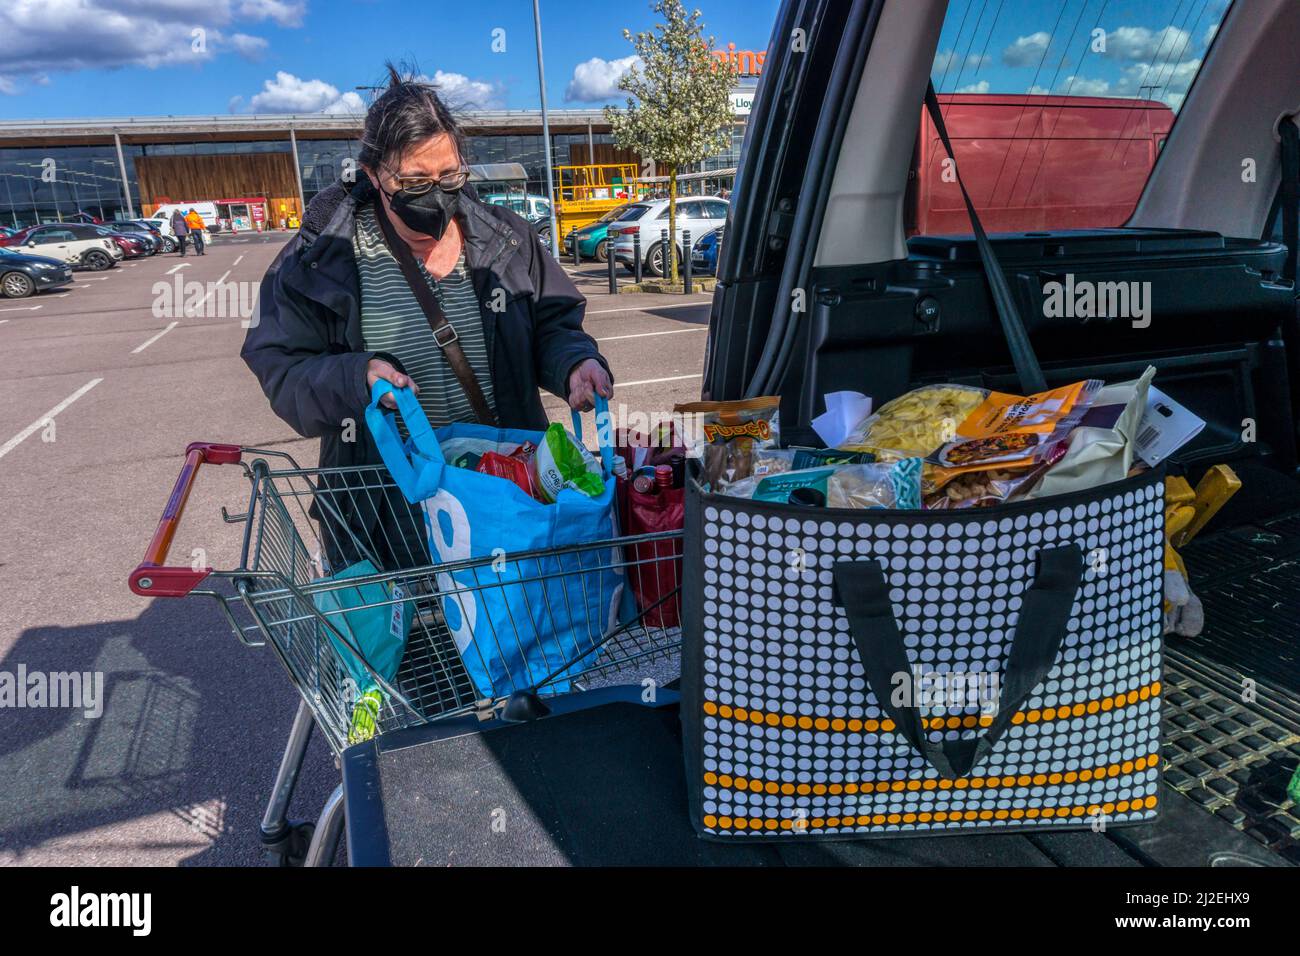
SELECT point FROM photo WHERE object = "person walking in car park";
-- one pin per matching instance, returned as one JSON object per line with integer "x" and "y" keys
{"x": 346, "y": 304}
{"x": 180, "y": 229}
{"x": 196, "y": 226}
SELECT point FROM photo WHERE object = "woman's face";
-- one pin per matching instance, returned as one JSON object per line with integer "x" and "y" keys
{"x": 431, "y": 159}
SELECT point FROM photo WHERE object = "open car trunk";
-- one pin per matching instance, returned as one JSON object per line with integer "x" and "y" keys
{"x": 819, "y": 292}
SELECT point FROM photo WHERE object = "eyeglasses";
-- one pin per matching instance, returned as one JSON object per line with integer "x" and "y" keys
{"x": 419, "y": 185}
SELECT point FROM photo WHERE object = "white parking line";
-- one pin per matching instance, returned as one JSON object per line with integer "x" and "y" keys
{"x": 177, "y": 268}
{"x": 3, "y": 321}
{"x": 24, "y": 308}
{"x": 238, "y": 259}
{"x": 35, "y": 426}
{"x": 651, "y": 308}
{"x": 646, "y": 335}
{"x": 656, "y": 381}
{"x": 144, "y": 345}
{"x": 92, "y": 278}
{"x": 223, "y": 277}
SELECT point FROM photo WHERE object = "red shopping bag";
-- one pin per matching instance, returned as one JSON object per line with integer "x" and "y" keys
{"x": 656, "y": 566}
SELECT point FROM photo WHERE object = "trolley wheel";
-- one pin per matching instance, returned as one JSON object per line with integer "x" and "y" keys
{"x": 291, "y": 848}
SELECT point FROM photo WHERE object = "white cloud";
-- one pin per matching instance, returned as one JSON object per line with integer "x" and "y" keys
{"x": 7, "y": 87}
{"x": 1085, "y": 86}
{"x": 289, "y": 94}
{"x": 1037, "y": 90}
{"x": 287, "y": 13}
{"x": 1210, "y": 33}
{"x": 69, "y": 35}
{"x": 596, "y": 80}
{"x": 1028, "y": 50}
{"x": 981, "y": 87}
{"x": 459, "y": 92}
{"x": 249, "y": 47}
{"x": 946, "y": 61}
{"x": 1139, "y": 43}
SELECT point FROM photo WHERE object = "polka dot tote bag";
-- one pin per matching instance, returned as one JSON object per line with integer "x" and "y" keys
{"x": 857, "y": 673}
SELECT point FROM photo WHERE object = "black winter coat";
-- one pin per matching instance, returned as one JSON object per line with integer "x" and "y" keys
{"x": 305, "y": 344}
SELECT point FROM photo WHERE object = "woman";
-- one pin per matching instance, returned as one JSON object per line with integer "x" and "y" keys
{"x": 339, "y": 310}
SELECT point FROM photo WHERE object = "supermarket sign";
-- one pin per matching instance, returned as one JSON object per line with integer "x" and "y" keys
{"x": 742, "y": 101}
{"x": 742, "y": 62}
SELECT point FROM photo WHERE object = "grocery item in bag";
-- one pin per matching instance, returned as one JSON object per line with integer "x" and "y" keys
{"x": 562, "y": 462}
{"x": 1101, "y": 449}
{"x": 991, "y": 486}
{"x": 1016, "y": 430}
{"x": 871, "y": 485}
{"x": 510, "y": 468}
{"x": 725, "y": 435}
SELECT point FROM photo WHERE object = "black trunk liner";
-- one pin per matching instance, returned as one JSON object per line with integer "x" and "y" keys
{"x": 1229, "y": 751}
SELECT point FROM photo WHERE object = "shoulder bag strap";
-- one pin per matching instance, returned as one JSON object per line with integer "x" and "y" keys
{"x": 444, "y": 333}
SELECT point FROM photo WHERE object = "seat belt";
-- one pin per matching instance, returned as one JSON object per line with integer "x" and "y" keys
{"x": 1013, "y": 327}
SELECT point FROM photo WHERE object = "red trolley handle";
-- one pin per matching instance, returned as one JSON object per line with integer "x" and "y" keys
{"x": 152, "y": 578}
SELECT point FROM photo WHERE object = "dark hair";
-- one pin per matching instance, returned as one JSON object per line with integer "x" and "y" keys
{"x": 406, "y": 113}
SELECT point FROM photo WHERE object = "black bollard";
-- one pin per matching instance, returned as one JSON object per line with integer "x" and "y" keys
{"x": 686, "y": 262}
{"x": 577, "y": 253}
{"x": 613, "y": 266}
{"x": 664, "y": 267}
{"x": 636, "y": 255}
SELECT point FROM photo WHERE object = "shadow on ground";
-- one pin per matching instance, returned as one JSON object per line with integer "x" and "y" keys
{"x": 193, "y": 726}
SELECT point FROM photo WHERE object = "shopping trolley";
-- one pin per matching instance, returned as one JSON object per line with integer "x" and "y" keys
{"x": 298, "y": 522}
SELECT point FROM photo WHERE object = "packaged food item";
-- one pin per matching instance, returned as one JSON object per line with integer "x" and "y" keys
{"x": 916, "y": 423}
{"x": 563, "y": 462}
{"x": 511, "y": 469}
{"x": 1016, "y": 430}
{"x": 867, "y": 485}
{"x": 1101, "y": 449}
{"x": 991, "y": 486}
{"x": 726, "y": 435}
{"x": 771, "y": 461}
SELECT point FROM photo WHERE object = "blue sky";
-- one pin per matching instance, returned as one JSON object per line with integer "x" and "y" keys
{"x": 1150, "y": 49}
{"x": 70, "y": 58}
{"x": 73, "y": 58}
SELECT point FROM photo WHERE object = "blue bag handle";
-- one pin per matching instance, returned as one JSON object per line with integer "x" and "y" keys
{"x": 383, "y": 427}
{"x": 602, "y": 434}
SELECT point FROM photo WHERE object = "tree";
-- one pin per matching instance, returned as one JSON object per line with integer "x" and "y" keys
{"x": 679, "y": 101}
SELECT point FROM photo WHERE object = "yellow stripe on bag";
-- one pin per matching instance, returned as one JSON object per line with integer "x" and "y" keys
{"x": 858, "y": 726}
{"x": 756, "y": 824}
{"x": 728, "y": 782}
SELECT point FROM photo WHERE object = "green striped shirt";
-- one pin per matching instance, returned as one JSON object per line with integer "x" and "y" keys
{"x": 392, "y": 321}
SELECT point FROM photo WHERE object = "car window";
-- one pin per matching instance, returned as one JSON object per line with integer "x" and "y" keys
{"x": 663, "y": 213}
{"x": 690, "y": 210}
{"x": 633, "y": 212}
{"x": 1056, "y": 111}
{"x": 715, "y": 210}
{"x": 54, "y": 235}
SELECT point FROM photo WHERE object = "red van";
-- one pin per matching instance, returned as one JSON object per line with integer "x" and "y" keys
{"x": 1033, "y": 162}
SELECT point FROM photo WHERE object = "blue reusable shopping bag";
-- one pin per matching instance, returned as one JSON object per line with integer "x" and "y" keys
{"x": 515, "y": 622}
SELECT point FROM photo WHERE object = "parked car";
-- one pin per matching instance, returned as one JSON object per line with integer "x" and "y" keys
{"x": 134, "y": 227}
{"x": 132, "y": 246}
{"x": 22, "y": 274}
{"x": 79, "y": 245}
{"x": 591, "y": 238}
{"x": 163, "y": 229}
{"x": 84, "y": 218}
{"x": 705, "y": 252}
{"x": 699, "y": 214}
{"x": 531, "y": 207}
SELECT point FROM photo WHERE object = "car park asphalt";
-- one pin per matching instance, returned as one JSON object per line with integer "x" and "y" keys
{"x": 178, "y": 767}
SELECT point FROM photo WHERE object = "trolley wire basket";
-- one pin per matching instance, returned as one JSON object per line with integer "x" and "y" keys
{"x": 302, "y": 523}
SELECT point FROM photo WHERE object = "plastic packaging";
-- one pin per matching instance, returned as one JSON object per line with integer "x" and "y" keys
{"x": 872, "y": 485}
{"x": 510, "y": 468}
{"x": 562, "y": 462}
{"x": 726, "y": 435}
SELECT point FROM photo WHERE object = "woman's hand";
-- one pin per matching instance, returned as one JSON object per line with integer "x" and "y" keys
{"x": 377, "y": 369}
{"x": 587, "y": 380}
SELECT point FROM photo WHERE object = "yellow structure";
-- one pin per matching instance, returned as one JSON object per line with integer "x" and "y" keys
{"x": 585, "y": 193}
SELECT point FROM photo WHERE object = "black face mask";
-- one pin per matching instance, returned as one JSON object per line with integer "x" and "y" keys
{"x": 428, "y": 213}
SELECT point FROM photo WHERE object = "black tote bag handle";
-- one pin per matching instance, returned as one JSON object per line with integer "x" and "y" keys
{"x": 862, "y": 591}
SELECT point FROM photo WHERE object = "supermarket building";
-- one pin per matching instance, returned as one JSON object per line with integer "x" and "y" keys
{"x": 125, "y": 168}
